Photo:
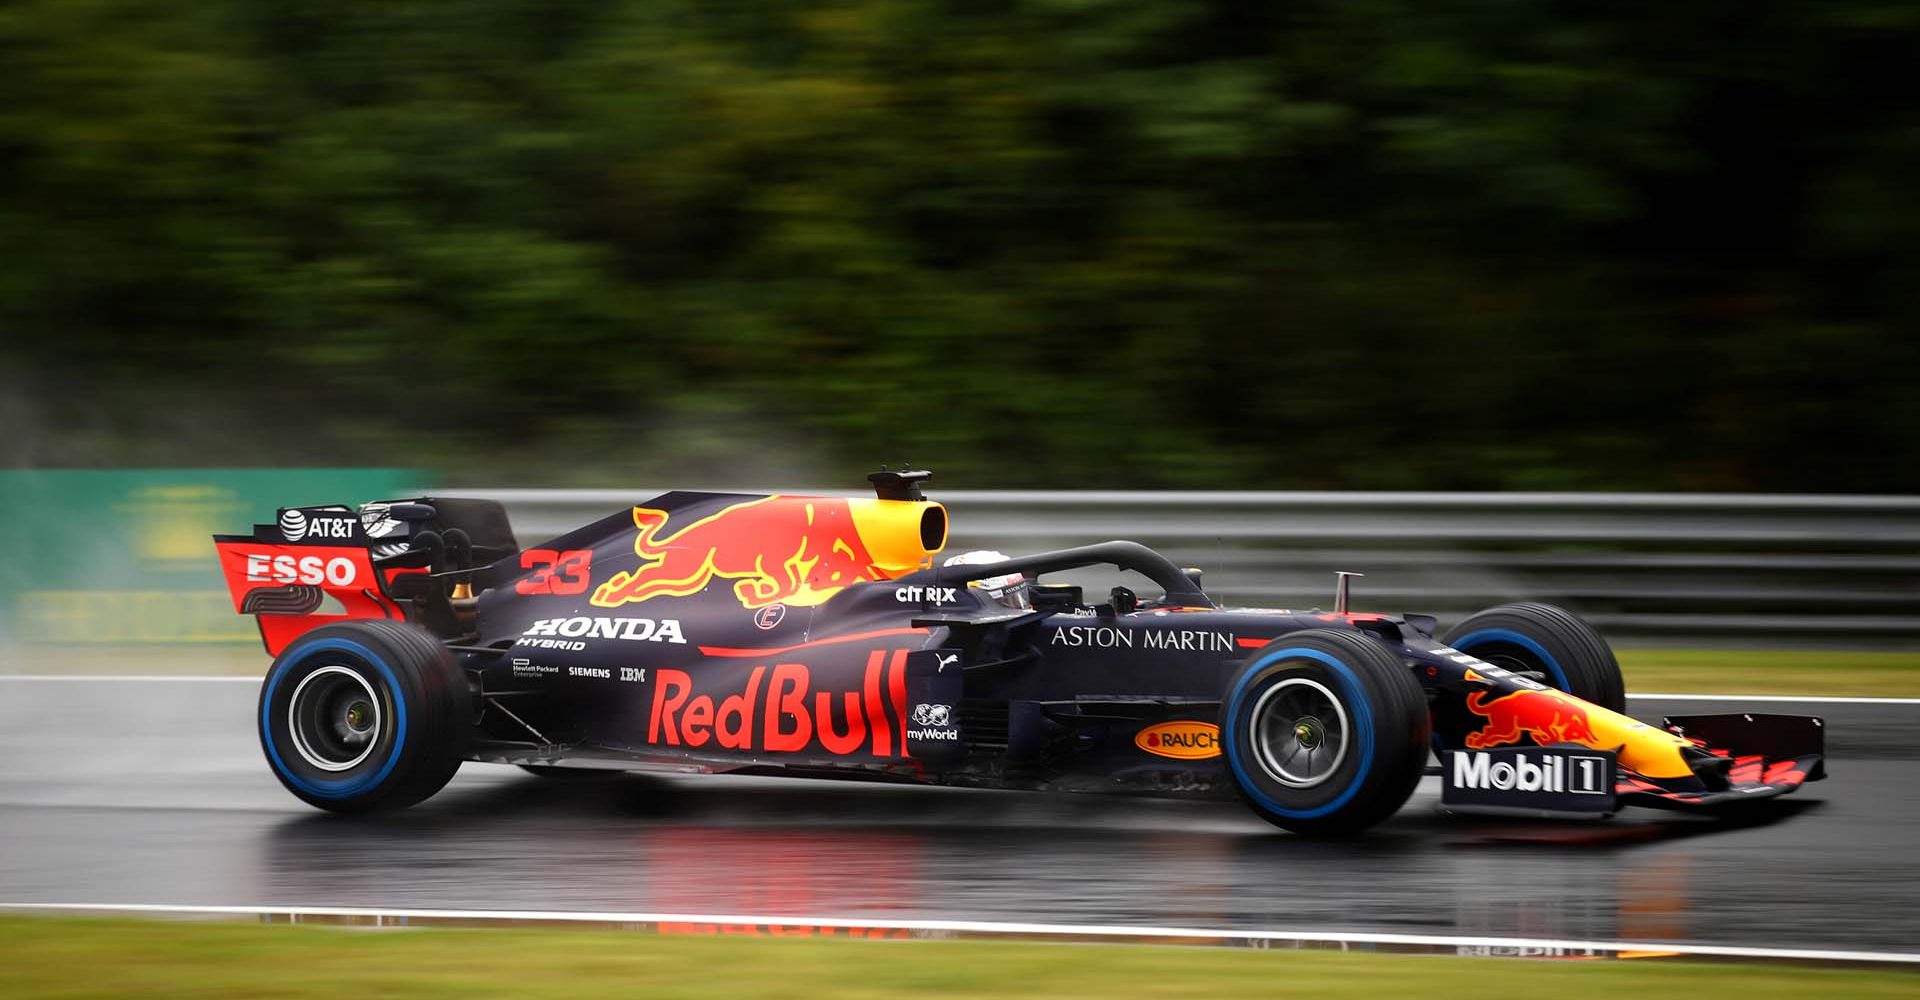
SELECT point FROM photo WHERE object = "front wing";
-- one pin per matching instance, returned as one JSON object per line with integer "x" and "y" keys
{"x": 1765, "y": 756}
{"x": 1746, "y": 759}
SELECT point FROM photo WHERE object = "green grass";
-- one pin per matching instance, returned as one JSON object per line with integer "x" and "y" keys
{"x": 84, "y": 958}
{"x": 1772, "y": 671}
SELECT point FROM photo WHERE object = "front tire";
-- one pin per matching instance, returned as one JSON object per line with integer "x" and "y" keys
{"x": 1326, "y": 732}
{"x": 1566, "y": 652}
{"x": 364, "y": 716}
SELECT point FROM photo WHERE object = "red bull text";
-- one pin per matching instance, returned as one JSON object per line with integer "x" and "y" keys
{"x": 775, "y": 711}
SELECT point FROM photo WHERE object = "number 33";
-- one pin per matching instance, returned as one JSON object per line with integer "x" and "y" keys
{"x": 566, "y": 572}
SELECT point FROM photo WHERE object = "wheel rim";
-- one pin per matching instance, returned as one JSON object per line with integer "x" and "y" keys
{"x": 1299, "y": 732}
{"x": 334, "y": 718}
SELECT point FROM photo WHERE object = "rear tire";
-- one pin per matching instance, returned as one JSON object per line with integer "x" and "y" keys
{"x": 1565, "y": 651}
{"x": 364, "y": 715}
{"x": 1326, "y": 732}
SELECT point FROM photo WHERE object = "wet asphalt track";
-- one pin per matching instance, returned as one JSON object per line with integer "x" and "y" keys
{"x": 154, "y": 792}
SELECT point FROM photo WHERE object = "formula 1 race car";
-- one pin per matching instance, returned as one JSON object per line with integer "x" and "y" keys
{"x": 820, "y": 637}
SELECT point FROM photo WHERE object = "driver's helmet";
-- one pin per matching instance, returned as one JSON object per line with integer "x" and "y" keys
{"x": 1011, "y": 590}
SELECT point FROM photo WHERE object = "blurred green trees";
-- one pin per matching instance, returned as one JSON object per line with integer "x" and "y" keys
{"x": 1315, "y": 243}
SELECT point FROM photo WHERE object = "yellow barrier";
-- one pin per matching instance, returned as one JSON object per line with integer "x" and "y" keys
{"x": 130, "y": 616}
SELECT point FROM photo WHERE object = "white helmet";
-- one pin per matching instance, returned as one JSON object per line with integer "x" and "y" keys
{"x": 1010, "y": 589}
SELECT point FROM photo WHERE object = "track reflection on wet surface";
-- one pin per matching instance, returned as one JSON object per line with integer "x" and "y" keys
{"x": 155, "y": 793}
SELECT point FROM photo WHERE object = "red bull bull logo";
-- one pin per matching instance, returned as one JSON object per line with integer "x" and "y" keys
{"x": 1548, "y": 716}
{"x": 779, "y": 550}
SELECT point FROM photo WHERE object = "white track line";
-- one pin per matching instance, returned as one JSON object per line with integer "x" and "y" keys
{"x": 1795, "y": 698}
{"x": 996, "y": 927}
{"x": 1805, "y": 699}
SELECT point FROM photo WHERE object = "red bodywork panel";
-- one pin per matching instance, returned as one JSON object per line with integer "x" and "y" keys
{"x": 285, "y": 586}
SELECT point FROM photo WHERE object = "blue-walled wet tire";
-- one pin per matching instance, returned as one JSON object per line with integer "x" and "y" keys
{"x": 1326, "y": 732}
{"x": 1567, "y": 652}
{"x": 364, "y": 716}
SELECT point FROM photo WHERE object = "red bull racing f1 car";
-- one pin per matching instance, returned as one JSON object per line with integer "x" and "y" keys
{"x": 823, "y": 637}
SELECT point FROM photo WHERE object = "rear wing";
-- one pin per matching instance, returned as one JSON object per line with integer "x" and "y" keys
{"x": 407, "y": 560}
{"x": 311, "y": 567}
